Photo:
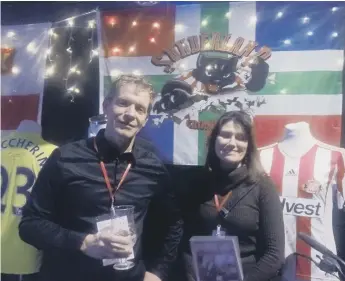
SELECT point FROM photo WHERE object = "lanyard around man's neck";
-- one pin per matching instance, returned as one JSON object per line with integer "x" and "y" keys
{"x": 110, "y": 188}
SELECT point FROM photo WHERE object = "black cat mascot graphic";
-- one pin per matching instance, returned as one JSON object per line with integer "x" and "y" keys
{"x": 214, "y": 74}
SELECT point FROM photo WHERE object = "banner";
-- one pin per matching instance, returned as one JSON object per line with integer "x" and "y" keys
{"x": 281, "y": 62}
{"x": 23, "y": 58}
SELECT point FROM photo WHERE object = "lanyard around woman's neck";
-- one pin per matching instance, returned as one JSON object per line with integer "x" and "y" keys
{"x": 220, "y": 205}
{"x": 110, "y": 188}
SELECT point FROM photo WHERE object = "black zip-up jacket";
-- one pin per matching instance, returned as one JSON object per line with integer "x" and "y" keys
{"x": 70, "y": 193}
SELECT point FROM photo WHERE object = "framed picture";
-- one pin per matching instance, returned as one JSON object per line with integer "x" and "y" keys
{"x": 216, "y": 258}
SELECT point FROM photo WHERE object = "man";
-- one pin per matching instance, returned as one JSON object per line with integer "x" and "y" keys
{"x": 23, "y": 153}
{"x": 72, "y": 191}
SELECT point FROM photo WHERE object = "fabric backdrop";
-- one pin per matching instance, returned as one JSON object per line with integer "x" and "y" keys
{"x": 23, "y": 59}
{"x": 304, "y": 82}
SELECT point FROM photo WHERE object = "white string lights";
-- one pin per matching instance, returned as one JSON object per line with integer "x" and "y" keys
{"x": 71, "y": 76}
{"x": 93, "y": 52}
{"x": 73, "y": 89}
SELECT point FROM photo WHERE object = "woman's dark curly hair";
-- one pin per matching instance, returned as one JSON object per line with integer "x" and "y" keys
{"x": 251, "y": 159}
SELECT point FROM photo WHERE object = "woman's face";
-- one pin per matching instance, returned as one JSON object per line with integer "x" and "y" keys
{"x": 231, "y": 144}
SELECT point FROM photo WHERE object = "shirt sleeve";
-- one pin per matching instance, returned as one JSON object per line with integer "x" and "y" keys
{"x": 271, "y": 236}
{"x": 170, "y": 226}
{"x": 37, "y": 226}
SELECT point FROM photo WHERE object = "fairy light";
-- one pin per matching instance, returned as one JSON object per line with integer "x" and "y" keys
{"x": 116, "y": 50}
{"x": 334, "y": 34}
{"x": 94, "y": 53}
{"x": 73, "y": 70}
{"x": 279, "y": 15}
{"x": 50, "y": 64}
{"x": 310, "y": 33}
{"x": 31, "y": 47}
{"x": 131, "y": 49}
{"x": 112, "y": 21}
{"x": 49, "y": 51}
{"x": 52, "y": 33}
{"x": 91, "y": 24}
{"x": 152, "y": 40}
{"x": 15, "y": 70}
{"x": 156, "y": 25}
{"x": 70, "y": 22}
{"x": 228, "y": 15}
{"x": 10, "y": 34}
{"x": 73, "y": 89}
{"x": 50, "y": 70}
{"x": 305, "y": 20}
{"x": 134, "y": 23}
{"x": 334, "y": 9}
{"x": 287, "y": 42}
{"x": 204, "y": 22}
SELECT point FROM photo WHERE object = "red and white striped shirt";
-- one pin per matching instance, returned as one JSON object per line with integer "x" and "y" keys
{"x": 309, "y": 187}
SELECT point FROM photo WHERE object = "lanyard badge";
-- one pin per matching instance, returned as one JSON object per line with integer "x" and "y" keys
{"x": 222, "y": 211}
{"x": 110, "y": 188}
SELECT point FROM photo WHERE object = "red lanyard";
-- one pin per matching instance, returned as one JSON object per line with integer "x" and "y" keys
{"x": 111, "y": 189}
{"x": 216, "y": 201}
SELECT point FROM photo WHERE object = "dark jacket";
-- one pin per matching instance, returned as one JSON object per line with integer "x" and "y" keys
{"x": 255, "y": 217}
{"x": 70, "y": 193}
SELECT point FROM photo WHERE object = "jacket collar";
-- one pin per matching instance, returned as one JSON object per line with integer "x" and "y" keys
{"x": 108, "y": 153}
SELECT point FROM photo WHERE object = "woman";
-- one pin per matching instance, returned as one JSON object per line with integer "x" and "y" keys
{"x": 240, "y": 198}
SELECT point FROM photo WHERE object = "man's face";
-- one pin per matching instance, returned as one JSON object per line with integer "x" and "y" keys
{"x": 127, "y": 112}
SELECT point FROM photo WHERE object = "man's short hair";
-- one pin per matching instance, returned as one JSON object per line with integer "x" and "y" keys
{"x": 121, "y": 80}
